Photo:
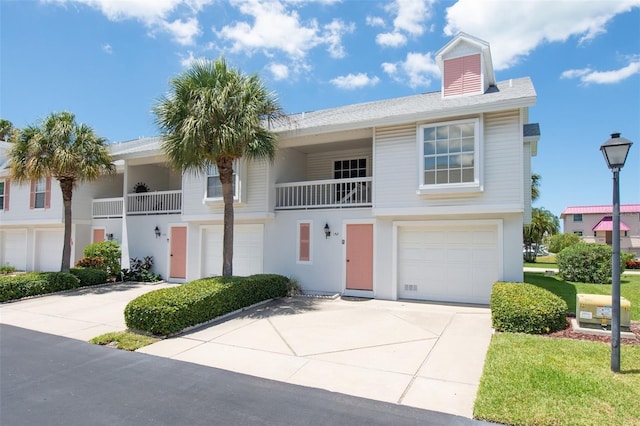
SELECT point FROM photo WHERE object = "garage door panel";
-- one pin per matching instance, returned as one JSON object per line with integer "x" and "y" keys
{"x": 447, "y": 263}
{"x": 247, "y": 250}
{"x": 48, "y": 250}
{"x": 13, "y": 248}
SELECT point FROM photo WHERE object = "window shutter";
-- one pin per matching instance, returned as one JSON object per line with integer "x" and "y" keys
{"x": 305, "y": 249}
{"x": 47, "y": 195}
{"x": 462, "y": 75}
{"x": 7, "y": 190}
{"x": 32, "y": 196}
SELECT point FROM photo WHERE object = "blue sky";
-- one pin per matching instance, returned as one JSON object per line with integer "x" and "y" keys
{"x": 108, "y": 61}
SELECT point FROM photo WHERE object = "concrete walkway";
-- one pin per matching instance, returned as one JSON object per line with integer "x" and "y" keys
{"x": 417, "y": 354}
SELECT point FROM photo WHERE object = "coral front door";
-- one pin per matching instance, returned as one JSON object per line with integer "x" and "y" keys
{"x": 359, "y": 257}
{"x": 178, "y": 262}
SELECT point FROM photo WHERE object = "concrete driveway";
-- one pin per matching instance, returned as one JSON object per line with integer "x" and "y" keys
{"x": 417, "y": 354}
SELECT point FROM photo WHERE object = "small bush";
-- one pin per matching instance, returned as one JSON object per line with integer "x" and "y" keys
{"x": 7, "y": 269}
{"x": 559, "y": 242}
{"x": 141, "y": 271}
{"x": 88, "y": 276}
{"x": 92, "y": 262}
{"x": 171, "y": 310}
{"x": 34, "y": 283}
{"x": 587, "y": 263}
{"x": 525, "y": 308}
{"x": 109, "y": 251}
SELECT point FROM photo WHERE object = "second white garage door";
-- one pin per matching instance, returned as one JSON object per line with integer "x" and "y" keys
{"x": 453, "y": 263}
{"x": 48, "y": 251}
{"x": 247, "y": 250}
{"x": 13, "y": 248}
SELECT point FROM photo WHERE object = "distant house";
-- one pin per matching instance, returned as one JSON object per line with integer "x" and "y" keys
{"x": 595, "y": 225}
{"x": 418, "y": 197}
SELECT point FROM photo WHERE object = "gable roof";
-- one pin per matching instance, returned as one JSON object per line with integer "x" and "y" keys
{"x": 516, "y": 93}
{"x": 606, "y": 224}
{"x": 481, "y": 45}
{"x": 602, "y": 209}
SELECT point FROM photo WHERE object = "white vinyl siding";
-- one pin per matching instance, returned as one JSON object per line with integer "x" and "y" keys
{"x": 396, "y": 169}
{"x": 526, "y": 156}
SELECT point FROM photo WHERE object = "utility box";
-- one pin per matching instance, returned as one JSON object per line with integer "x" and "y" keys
{"x": 595, "y": 311}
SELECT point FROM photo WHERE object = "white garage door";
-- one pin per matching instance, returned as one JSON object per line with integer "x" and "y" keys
{"x": 48, "y": 249}
{"x": 448, "y": 263}
{"x": 13, "y": 248}
{"x": 247, "y": 250}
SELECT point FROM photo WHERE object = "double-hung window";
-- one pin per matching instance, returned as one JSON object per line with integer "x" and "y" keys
{"x": 2, "y": 201}
{"x": 449, "y": 156}
{"x": 39, "y": 193}
{"x": 214, "y": 186}
{"x": 577, "y": 217}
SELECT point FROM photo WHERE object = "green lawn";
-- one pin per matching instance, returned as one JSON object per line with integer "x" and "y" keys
{"x": 125, "y": 340}
{"x": 536, "y": 380}
{"x": 629, "y": 288}
{"x": 543, "y": 262}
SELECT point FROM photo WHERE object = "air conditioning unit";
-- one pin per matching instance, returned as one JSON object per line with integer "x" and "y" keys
{"x": 594, "y": 311}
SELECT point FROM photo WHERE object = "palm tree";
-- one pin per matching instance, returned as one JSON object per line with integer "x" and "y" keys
{"x": 213, "y": 116}
{"x": 6, "y": 127}
{"x": 542, "y": 222}
{"x": 65, "y": 150}
{"x": 535, "y": 186}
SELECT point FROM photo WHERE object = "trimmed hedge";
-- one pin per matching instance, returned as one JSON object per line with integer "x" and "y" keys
{"x": 88, "y": 276}
{"x": 525, "y": 308}
{"x": 170, "y": 310}
{"x": 587, "y": 263}
{"x": 34, "y": 283}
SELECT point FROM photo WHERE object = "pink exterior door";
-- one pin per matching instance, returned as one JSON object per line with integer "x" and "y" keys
{"x": 178, "y": 262}
{"x": 98, "y": 235}
{"x": 360, "y": 257}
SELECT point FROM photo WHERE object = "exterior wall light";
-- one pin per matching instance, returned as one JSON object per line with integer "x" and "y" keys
{"x": 327, "y": 231}
{"x": 157, "y": 231}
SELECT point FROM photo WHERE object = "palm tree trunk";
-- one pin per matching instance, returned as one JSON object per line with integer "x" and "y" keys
{"x": 225, "y": 170}
{"x": 66, "y": 185}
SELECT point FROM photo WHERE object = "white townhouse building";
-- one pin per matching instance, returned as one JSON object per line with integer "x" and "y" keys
{"x": 419, "y": 197}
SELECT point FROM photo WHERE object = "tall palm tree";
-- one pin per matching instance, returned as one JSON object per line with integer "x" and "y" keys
{"x": 542, "y": 222}
{"x": 535, "y": 186}
{"x": 213, "y": 116}
{"x": 65, "y": 150}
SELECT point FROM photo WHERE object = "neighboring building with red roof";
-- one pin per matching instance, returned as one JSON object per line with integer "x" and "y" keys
{"x": 595, "y": 224}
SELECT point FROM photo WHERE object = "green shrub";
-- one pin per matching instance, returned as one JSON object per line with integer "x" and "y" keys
{"x": 109, "y": 251}
{"x": 141, "y": 271}
{"x": 34, "y": 283}
{"x": 92, "y": 262}
{"x": 88, "y": 276}
{"x": 171, "y": 310}
{"x": 525, "y": 308}
{"x": 7, "y": 269}
{"x": 587, "y": 263}
{"x": 559, "y": 242}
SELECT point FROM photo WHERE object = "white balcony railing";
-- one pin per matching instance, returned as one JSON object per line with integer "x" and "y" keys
{"x": 160, "y": 202}
{"x": 107, "y": 207}
{"x": 334, "y": 193}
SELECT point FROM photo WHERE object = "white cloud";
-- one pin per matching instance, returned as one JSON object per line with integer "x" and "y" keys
{"x": 374, "y": 21}
{"x": 589, "y": 76}
{"x": 106, "y": 48}
{"x": 274, "y": 27}
{"x": 332, "y": 35}
{"x": 410, "y": 18}
{"x": 154, "y": 14}
{"x": 355, "y": 81}
{"x": 183, "y": 32}
{"x": 417, "y": 70}
{"x": 391, "y": 39}
{"x": 279, "y": 71}
{"x": 515, "y": 28}
{"x": 188, "y": 60}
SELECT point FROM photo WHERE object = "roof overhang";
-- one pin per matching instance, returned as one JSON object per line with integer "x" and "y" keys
{"x": 606, "y": 224}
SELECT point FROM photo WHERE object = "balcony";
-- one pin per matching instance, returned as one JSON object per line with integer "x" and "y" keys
{"x": 333, "y": 193}
{"x": 146, "y": 203}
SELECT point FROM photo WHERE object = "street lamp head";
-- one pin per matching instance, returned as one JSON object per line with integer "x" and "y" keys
{"x": 615, "y": 151}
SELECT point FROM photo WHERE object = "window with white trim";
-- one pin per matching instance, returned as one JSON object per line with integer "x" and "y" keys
{"x": 2, "y": 195}
{"x": 577, "y": 217}
{"x": 449, "y": 154}
{"x": 303, "y": 246}
{"x": 214, "y": 186}
{"x": 40, "y": 193}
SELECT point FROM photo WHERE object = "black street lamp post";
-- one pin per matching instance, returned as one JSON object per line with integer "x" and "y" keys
{"x": 615, "y": 152}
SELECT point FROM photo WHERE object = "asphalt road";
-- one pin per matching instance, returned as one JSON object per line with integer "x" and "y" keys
{"x": 52, "y": 380}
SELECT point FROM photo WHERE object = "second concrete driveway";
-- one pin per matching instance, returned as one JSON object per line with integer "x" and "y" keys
{"x": 418, "y": 354}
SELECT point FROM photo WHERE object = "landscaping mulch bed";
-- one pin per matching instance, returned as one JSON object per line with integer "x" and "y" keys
{"x": 568, "y": 333}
